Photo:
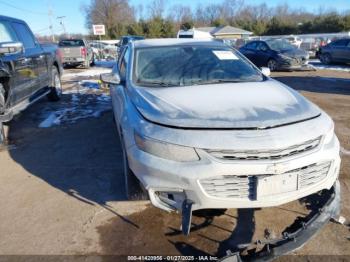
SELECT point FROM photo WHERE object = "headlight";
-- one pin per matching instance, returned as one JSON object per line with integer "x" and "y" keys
{"x": 285, "y": 57}
{"x": 329, "y": 135}
{"x": 165, "y": 150}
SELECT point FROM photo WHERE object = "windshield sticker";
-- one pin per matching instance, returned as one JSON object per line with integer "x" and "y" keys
{"x": 225, "y": 55}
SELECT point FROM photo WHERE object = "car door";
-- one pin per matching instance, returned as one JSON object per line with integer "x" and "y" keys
{"x": 34, "y": 54}
{"x": 347, "y": 53}
{"x": 338, "y": 50}
{"x": 249, "y": 50}
{"x": 262, "y": 54}
{"x": 18, "y": 65}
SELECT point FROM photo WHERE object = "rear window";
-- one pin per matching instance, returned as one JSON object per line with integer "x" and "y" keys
{"x": 71, "y": 43}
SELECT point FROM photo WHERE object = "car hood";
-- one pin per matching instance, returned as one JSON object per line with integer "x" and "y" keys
{"x": 229, "y": 105}
{"x": 294, "y": 52}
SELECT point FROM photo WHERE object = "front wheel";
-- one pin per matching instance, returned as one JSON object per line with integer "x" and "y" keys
{"x": 56, "y": 86}
{"x": 326, "y": 58}
{"x": 272, "y": 64}
{"x": 134, "y": 189}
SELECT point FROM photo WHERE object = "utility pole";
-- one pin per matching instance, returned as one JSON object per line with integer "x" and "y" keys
{"x": 62, "y": 24}
{"x": 51, "y": 27}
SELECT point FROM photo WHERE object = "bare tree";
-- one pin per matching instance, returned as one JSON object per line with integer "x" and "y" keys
{"x": 156, "y": 8}
{"x": 114, "y": 14}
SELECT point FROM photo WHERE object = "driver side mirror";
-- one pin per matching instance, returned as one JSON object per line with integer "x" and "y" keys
{"x": 11, "y": 48}
{"x": 266, "y": 71}
{"x": 110, "y": 78}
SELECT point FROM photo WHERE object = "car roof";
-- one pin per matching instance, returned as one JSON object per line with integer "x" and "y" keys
{"x": 176, "y": 42}
{"x": 2, "y": 17}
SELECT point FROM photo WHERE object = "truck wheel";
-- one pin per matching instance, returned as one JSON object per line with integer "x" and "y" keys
{"x": 87, "y": 64}
{"x": 2, "y": 133}
{"x": 56, "y": 86}
{"x": 92, "y": 60}
{"x": 134, "y": 189}
{"x": 2, "y": 98}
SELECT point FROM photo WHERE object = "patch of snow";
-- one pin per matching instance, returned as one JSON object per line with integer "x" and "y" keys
{"x": 91, "y": 72}
{"x": 86, "y": 101}
{"x": 318, "y": 65}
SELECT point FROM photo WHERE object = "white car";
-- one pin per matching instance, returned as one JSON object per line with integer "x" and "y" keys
{"x": 201, "y": 128}
{"x": 294, "y": 40}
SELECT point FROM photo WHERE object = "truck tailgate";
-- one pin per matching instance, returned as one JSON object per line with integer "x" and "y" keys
{"x": 71, "y": 52}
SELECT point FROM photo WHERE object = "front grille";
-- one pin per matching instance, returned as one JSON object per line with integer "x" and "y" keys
{"x": 230, "y": 187}
{"x": 245, "y": 187}
{"x": 312, "y": 174}
{"x": 265, "y": 154}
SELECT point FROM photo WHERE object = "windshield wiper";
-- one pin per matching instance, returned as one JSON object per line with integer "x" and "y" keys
{"x": 156, "y": 83}
{"x": 214, "y": 81}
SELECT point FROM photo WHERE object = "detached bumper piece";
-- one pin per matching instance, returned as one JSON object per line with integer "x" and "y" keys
{"x": 186, "y": 216}
{"x": 292, "y": 241}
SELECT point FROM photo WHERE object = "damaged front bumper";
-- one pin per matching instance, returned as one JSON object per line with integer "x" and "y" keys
{"x": 304, "y": 230}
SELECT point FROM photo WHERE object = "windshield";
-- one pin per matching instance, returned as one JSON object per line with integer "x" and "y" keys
{"x": 68, "y": 43}
{"x": 191, "y": 65}
{"x": 279, "y": 44}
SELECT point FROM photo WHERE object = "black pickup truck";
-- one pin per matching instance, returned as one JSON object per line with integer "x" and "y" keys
{"x": 28, "y": 70}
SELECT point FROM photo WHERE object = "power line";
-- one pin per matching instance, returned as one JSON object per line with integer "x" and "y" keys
{"x": 21, "y": 9}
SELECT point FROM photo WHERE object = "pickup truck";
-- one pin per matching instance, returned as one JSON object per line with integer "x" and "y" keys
{"x": 28, "y": 70}
{"x": 76, "y": 52}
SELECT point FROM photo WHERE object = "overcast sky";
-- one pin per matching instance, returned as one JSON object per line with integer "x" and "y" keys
{"x": 35, "y": 12}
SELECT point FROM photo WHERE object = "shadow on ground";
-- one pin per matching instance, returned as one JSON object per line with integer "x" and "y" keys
{"x": 81, "y": 159}
{"x": 317, "y": 84}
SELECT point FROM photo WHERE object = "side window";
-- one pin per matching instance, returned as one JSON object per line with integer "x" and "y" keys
{"x": 251, "y": 45}
{"x": 25, "y": 35}
{"x": 341, "y": 42}
{"x": 262, "y": 46}
{"x": 124, "y": 64}
{"x": 6, "y": 33}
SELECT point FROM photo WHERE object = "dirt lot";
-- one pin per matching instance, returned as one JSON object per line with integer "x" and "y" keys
{"x": 61, "y": 187}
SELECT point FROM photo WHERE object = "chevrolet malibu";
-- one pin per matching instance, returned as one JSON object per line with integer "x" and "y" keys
{"x": 201, "y": 128}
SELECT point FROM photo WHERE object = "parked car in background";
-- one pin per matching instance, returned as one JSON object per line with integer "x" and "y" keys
{"x": 202, "y": 128}
{"x": 294, "y": 40}
{"x": 311, "y": 46}
{"x": 76, "y": 52}
{"x": 277, "y": 54}
{"x": 103, "y": 50}
{"x": 28, "y": 70}
{"x": 125, "y": 40}
{"x": 337, "y": 51}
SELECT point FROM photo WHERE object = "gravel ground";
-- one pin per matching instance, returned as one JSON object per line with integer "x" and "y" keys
{"x": 61, "y": 189}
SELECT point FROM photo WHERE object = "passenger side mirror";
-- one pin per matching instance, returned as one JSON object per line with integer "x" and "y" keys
{"x": 110, "y": 78}
{"x": 10, "y": 48}
{"x": 266, "y": 71}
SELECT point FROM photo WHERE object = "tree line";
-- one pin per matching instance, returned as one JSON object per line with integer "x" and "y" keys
{"x": 160, "y": 19}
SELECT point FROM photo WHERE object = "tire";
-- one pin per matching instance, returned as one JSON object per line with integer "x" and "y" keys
{"x": 326, "y": 58}
{"x": 133, "y": 188}
{"x": 2, "y": 134}
{"x": 56, "y": 86}
{"x": 272, "y": 64}
{"x": 92, "y": 60}
{"x": 87, "y": 64}
{"x": 2, "y": 99}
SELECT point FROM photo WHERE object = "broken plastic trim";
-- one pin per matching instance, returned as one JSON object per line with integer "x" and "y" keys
{"x": 295, "y": 240}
